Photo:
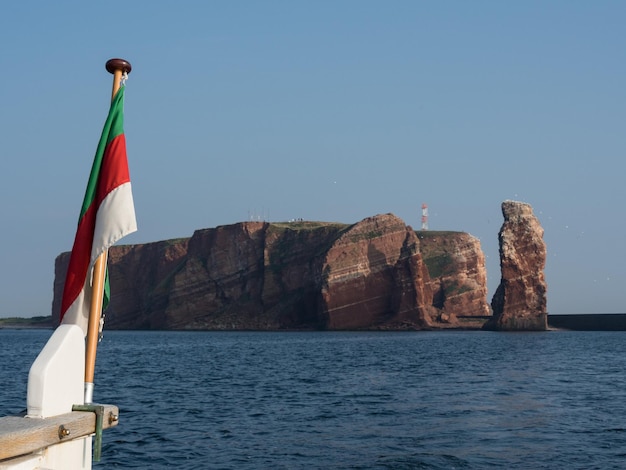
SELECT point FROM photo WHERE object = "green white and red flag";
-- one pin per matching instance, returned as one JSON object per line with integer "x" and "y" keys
{"x": 106, "y": 216}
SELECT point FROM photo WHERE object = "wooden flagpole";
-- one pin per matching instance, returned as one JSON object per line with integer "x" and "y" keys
{"x": 117, "y": 67}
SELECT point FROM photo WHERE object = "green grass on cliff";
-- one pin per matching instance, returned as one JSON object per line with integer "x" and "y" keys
{"x": 33, "y": 322}
{"x": 456, "y": 289}
{"x": 438, "y": 260}
{"x": 294, "y": 237}
{"x": 435, "y": 233}
{"x": 438, "y": 265}
{"x": 307, "y": 225}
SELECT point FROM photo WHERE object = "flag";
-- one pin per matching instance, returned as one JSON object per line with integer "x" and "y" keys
{"x": 106, "y": 216}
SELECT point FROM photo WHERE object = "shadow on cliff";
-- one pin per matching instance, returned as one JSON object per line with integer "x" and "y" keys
{"x": 376, "y": 274}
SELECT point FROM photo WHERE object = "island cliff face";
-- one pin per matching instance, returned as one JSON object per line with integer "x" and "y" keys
{"x": 303, "y": 275}
{"x": 519, "y": 303}
{"x": 139, "y": 276}
{"x": 379, "y": 260}
{"x": 458, "y": 277}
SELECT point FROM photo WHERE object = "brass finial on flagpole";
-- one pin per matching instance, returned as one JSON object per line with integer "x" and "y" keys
{"x": 117, "y": 67}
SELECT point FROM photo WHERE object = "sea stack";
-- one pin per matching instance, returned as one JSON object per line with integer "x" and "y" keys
{"x": 519, "y": 303}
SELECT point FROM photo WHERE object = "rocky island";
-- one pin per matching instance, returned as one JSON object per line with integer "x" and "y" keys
{"x": 376, "y": 274}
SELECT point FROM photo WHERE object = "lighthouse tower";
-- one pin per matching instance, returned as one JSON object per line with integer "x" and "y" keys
{"x": 424, "y": 217}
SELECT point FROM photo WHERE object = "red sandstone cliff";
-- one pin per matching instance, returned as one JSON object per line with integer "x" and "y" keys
{"x": 251, "y": 275}
{"x": 519, "y": 303}
{"x": 255, "y": 275}
{"x": 374, "y": 276}
{"x": 140, "y": 277}
{"x": 458, "y": 277}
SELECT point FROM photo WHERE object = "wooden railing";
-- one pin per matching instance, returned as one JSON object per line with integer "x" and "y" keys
{"x": 20, "y": 435}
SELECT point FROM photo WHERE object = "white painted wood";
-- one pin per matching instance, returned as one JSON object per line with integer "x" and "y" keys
{"x": 56, "y": 378}
{"x": 55, "y": 384}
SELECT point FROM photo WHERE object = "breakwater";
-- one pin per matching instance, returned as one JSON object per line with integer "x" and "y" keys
{"x": 589, "y": 322}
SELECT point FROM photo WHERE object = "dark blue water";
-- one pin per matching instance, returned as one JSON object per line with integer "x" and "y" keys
{"x": 431, "y": 400}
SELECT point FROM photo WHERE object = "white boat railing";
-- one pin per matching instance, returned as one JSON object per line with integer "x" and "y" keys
{"x": 56, "y": 432}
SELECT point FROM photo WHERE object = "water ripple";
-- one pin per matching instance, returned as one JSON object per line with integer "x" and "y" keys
{"x": 422, "y": 400}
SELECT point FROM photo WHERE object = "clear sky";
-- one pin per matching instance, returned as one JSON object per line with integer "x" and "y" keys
{"x": 331, "y": 110}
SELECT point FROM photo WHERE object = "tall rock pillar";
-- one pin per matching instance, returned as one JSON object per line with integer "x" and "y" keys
{"x": 519, "y": 303}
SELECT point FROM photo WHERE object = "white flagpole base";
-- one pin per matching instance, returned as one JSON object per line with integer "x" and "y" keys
{"x": 88, "y": 393}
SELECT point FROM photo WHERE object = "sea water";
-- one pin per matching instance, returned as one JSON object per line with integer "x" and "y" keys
{"x": 351, "y": 400}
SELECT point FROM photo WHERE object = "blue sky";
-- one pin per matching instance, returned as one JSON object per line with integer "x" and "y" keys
{"x": 326, "y": 110}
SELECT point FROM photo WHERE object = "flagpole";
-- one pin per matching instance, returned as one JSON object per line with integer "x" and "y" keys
{"x": 117, "y": 67}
